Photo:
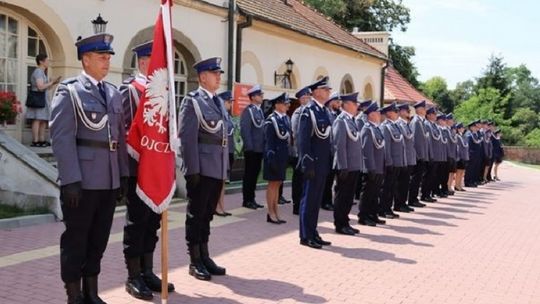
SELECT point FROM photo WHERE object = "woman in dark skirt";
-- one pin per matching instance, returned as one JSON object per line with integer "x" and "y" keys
{"x": 463, "y": 156}
{"x": 498, "y": 154}
{"x": 276, "y": 154}
{"x": 227, "y": 103}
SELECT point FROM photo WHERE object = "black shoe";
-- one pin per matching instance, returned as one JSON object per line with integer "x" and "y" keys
{"x": 90, "y": 291}
{"x": 35, "y": 144}
{"x": 386, "y": 215}
{"x": 319, "y": 240}
{"x": 149, "y": 277}
{"x": 417, "y": 204}
{"x": 283, "y": 201}
{"x": 377, "y": 220}
{"x": 471, "y": 185}
{"x": 282, "y": 221}
{"x": 224, "y": 214}
{"x": 345, "y": 230}
{"x": 45, "y": 144}
{"x": 74, "y": 294}
{"x": 210, "y": 265}
{"x": 366, "y": 222}
{"x": 295, "y": 211}
{"x": 257, "y": 205}
{"x": 196, "y": 266}
{"x": 428, "y": 199}
{"x": 354, "y": 230}
{"x": 249, "y": 205}
{"x": 402, "y": 209}
{"x": 328, "y": 207}
{"x": 138, "y": 289}
{"x": 451, "y": 193}
{"x": 270, "y": 220}
{"x": 311, "y": 243}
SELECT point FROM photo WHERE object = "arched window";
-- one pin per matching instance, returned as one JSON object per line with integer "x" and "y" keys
{"x": 9, "y": 53}
{"x": 347, "y": 85}
{"x": 180, "y": 76}
{"x": 368, "y": 91}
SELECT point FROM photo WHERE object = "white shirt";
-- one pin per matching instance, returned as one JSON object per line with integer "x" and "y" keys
{"x": 321, "y": 105}
{"x": 207, "y": 92}
{"x": 141, "y": 79}
{"x": 279, "y": 114}
{"x": 349, "y": 114}
{"x": 92, "y": 79}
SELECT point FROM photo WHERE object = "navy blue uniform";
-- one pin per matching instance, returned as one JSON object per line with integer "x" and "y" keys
{"x": 276, "y": 148}
{"x": 314, "y": 144}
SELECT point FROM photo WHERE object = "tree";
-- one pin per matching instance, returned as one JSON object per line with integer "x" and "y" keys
{"x": 437, "y": 89}
{"x": 375, "y": 15}
{"x": 525, "y": 119}
{"x": 533, "y": 139}
{"x": 463, "y": 91}
{"x": 525, "y": 89}
{"x": 495, "y": 76}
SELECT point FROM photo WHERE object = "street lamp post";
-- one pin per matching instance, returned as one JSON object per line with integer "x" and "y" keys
{"x": 285, "y": 78}
{"x": 100, "y": 25}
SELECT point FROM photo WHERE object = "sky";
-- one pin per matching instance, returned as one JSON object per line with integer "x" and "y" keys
{"x": 455, "y": 38}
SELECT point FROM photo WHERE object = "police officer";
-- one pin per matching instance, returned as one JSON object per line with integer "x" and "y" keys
{"x": 421, "y": 147}
{"x": 314, "y": 143}
{"x": 88, "y": 141}
{"x": 498, "y": 153}
{"x": 361, "y": 119}
{"x": 430, "y": 181}
{"x": 332, "y": 105}
{"x": 475, "y": 155}
{"x": 252, "y": 132}
{"x": 449, "y": 134}
{"x": 462, "y": 156}
{"x": 140, "y": 230}
{"x": 488, "y": 150}
{"x": 276, "y": 154}
{"x": 304, "y": 97}
{"x": 395, "y": 165}
{"x": 203, "y": 138}
{"x": 410, "y": 153}
{"x": 374, "y": 164}
{"x": 348, "y": 162}
{"x": 227, "y": 103}
{"x": 442, "y": 178}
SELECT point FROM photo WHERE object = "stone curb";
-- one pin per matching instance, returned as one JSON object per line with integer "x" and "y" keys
{"x": 27, "y": 220}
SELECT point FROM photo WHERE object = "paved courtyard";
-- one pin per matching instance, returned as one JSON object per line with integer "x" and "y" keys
{"x": 481, "y": 246}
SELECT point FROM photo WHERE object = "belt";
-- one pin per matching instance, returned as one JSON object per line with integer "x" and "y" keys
{"x": 112, "y": 145}
{"x": 213, "y": 141}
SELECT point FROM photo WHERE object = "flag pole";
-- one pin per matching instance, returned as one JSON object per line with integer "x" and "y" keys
{"x": 173, "y": 141}
{"x": 164, "y": 257}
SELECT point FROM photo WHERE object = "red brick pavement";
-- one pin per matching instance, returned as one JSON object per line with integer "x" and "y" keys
{"x": 482, "y": 246}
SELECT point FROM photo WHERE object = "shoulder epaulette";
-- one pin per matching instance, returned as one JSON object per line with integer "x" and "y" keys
{"x": 114, "y": 86}
{"x": 69, "y": 80}
{"x": 193, "y": 93}
{"x": 128, "y": 80}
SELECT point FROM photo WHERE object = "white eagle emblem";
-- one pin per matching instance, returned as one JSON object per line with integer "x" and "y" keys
{"x": 156, "y": 107}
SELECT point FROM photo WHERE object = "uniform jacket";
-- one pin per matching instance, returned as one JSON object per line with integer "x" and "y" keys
{"x": 422, "y": 139}
{"x": 252, "y": 128}
{"x": 408, "y": 135}
{"x": 230, "y": 133}
{"x": 463, "y": 147}
{"x": 314, "y": 139}
{"x": 361, "y": 120}
{"x": 295, "y": 122}
{"x": 347, "y": 144}
{"x": 436, "y": 147}
{"x": 203, "y": 140}
{"x": 449, "y": 136}
{"x": 97, "y": 168}
{"x": 276, "y": 133}
{"x": 475, "y": 145}
{"x": 498, "y": 151}
{"x": 488, "y": 145}
{"x": 394, "y": 144}
{"x": 373, "y": 148}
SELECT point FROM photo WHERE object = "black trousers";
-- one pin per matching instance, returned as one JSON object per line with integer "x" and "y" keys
{"x": 387, "y": 194}
{"x": 489, "y": 177}
{"x": 297, "y": 185}
{"x": 344, "y": 199}
{"x": 202, "y": 200}
{"x": 328, "y": 191}
{"x": 471, "y": 172}
{"x": 140, "y": 230}
{"x": 369, "y": 200}
{"x": 430, "y": 179}
{"x": 253, "y": 162}
{"x": 401, "y": 186}
{"x": 444, "y": 171}
{"x": 417, "y": 175}
{"x": 87, "y": 232}
{"x": 360, "y": 183}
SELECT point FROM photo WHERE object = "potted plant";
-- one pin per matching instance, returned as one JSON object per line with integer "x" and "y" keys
{"x": 10, "y": 107}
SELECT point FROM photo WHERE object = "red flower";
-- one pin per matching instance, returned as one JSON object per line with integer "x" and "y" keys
{"x": 10, "y": 107}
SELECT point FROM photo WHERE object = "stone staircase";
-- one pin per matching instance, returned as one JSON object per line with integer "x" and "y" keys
{"x": 45, "y": 153}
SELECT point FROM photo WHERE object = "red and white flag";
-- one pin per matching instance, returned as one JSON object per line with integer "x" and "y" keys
{"x": 152, "y": 138}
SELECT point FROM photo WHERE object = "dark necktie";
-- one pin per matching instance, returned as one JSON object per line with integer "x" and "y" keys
{"x": 217, "y": 102}
{"x": 102, "y": 90}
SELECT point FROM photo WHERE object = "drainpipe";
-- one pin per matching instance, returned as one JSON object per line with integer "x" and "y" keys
{"x": 383, "y": 72}
{"x": 240, "y": 27}
{"x": 230, "y": 47}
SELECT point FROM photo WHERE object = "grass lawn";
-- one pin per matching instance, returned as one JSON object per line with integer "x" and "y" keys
{"x": 526, "y": 165}
{"x": 12, "y": 211}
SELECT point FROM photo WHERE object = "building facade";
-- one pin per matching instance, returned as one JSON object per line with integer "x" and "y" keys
{"x": 264, "y": 35}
